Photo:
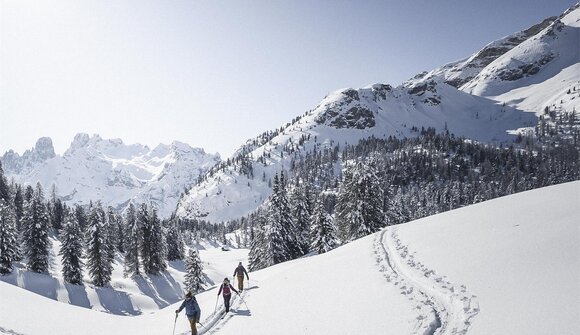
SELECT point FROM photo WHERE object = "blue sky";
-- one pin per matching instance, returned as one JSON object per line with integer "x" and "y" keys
{"x": 215, "y": 73}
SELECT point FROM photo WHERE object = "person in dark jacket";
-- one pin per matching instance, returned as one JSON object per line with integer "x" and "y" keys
{"x": 227, "y": 288}
{"x": 192, "y": 311}
{"x": 239, "y": 272}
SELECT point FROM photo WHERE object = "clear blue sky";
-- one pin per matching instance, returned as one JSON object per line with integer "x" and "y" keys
{"x": 215, "y": 73}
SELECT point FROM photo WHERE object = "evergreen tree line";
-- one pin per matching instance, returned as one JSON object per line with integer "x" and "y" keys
{"x": 390, "y": 181}
{"x": 91, "y": 238}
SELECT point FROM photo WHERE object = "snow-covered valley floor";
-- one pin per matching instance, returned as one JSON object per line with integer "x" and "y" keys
{"x": 505, "y": 266}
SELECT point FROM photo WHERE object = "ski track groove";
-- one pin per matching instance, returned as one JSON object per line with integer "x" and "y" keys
{"x": 442, "y": 307}
{"x": 215, "y": 322}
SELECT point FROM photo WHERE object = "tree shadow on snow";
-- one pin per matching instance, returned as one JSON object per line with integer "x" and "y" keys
{"x": 77, "y": 295}
{"x": 116, "y": 302}
{"x": 162, "y": 288}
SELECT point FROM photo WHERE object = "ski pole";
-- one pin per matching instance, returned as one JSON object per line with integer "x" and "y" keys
{"x": 174, "y": 323}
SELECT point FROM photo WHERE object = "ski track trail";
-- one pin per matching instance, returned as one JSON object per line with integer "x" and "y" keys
{"x": 9, "y": 331}
{"x": 216, "y": 320}
{"x": 443, "y": 307}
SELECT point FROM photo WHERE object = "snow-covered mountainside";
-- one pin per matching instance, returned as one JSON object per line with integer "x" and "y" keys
{"x": 346, "y": 116}
{"x": 539, "y": 71}
{"x": 504, "y": 266}
{"x": 462, "y": 71}
{"x": 533, "y": 68}
{"x": 111, "y": 171}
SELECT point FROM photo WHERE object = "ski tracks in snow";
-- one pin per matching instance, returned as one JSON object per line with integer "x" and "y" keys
{"x": 442, "y": 307}
{"x": 216, "y": 320}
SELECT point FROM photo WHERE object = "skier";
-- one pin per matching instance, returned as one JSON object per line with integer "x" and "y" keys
{"x": 192, "y": 311}
{"x": 239, "y": 272}
{"x": 227, "y": 288}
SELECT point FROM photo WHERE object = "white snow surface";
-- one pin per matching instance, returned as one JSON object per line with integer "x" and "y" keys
{"x": 505, "y": 266}
{"x": 111, "y": 171}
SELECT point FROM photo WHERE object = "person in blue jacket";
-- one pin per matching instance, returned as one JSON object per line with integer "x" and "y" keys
{"x": 192, "y": 311}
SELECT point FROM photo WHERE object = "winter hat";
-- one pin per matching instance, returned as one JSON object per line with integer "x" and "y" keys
{"x": 188, "y": 294}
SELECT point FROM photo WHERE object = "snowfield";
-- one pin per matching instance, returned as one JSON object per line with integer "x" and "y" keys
{"x": 505, "y": 266}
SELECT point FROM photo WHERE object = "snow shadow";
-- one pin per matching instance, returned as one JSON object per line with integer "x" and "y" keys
{"x": 38, "y": 283}
{"x": 77, "y": 295}
{"x": 116, "y": 302}
{"x": 162, "y": 288}
{"x": 178, "y": 265}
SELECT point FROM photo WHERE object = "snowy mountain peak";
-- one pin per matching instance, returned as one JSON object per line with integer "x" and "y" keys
{"x": 44, "y": 148}
{"x": 462, "y": 71}
{"x": 112, "y": 171}
{"x": 535, "y": 60}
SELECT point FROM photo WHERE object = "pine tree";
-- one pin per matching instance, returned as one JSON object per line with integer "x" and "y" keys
{"x": 132, "y": 238}
{"x": 280, "y": 244}
{"x": 257, "y": 257}
{"x": 112, "y": 234}
{"x": 4, "y": 188}
{"x": 98, "y": 261}
{"x": 158, "y": 248}
{"x": 71, "y": 250}
{"x": 35, "y": 232}
{"x": 174, "y": 242}
{"x": 194, "y": 272}
{"x": 145, "y": 236}
{"x": 301, "y": 212}
{"x": 18, "y": 205}
{"x": 8, "y": 237}
{"x": 360, "y": 201}
{"x": 81, "y": 217}
{"x": 323, "y": 234}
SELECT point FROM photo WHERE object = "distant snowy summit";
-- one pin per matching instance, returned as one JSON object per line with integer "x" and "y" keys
{"x": 488, "y": 96}
{"x": 109, "y": 170}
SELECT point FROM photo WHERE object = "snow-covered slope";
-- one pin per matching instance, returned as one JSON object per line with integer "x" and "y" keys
{"x": 534, "y": 64}
{"x": 462, "y": 71}
{"x": 111, "y": 171}
{"x": 504, "y": 266}
{"x": 125, "y": 296}
{"x": 346, "y": 116}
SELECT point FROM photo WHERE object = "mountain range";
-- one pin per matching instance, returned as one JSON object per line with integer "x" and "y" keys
{"x": 93, "y": 168}
{"x": 489, "y": 96}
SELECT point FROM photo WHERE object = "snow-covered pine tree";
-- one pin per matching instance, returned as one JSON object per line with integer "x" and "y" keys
{"x": 81, "y": 217}
{"x": 158, "y": 248}
{"x": 98, "y": 261}
{"x": 35, "y": 225}
{"x": 301, "y": 213}
{"x": 257, "y": 245}
{"x": 71, "y": 250}
{"x": 145, "y": 236}
{"x": 280, "y": 244}
{"x": 194, "y": 272}
{"x": 360, "y": 201}
{"x": 18, "y": 205}
{"x": 112, "y": 235}
{"x": 344, "y": 205}
{"x": 132, "y": 238}
{"x": 323, "y": 235}
{"x": 8, "y": 237}
{"x": 4, "y": 188}
{"x": 174, "y": 242}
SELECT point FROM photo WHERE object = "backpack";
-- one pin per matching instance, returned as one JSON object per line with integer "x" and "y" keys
{"x": 226, "y": 289}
